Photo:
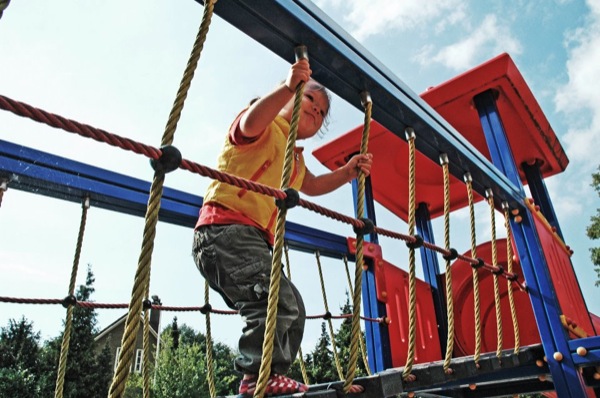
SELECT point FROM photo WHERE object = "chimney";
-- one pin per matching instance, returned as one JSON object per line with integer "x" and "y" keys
{"x": 155, "y": 314}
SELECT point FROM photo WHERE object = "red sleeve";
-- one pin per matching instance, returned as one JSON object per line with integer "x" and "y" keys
{"x": 235, "y": 134}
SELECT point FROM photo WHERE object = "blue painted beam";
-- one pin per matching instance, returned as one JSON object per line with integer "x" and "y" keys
{"x": 46, "y": 174}
{"x": 346, "y": 68}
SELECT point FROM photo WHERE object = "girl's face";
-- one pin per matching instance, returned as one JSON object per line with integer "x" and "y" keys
{"x": 314, "y": 108}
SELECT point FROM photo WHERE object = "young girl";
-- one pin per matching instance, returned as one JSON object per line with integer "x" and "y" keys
{"x": 234, "y": 233}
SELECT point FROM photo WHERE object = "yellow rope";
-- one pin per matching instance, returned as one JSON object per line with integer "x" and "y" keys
{"x": 210, "y": 365}
{"x": 300, "y": 355}
{"x": 363, "y": 349}
{"x": 490, "y": 197}
{"x": 271, "y": 322}
{"x": 412, "y": 284}
{"x": 146, "y": 353}
{"x": 142, "y": 277}
{"x": 475, "y": 272}
{"x": 360, "y": 208}
{"x": 64, "y": 348}
{"x": 509, "y": 259}
{"x": 449, "y": 298}
{"x": 336, "y": 358}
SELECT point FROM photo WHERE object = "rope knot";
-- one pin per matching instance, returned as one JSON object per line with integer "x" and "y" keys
{"x": 327, "y": 316}
{"x": 513, "y": 277}
{"x": 418, "y": 242}
{"x": 367, "y": 228}
{"x": 291, "y": 200}
{"x": 206, "y": 308}
{"x": 146, "y": 304}
{"x": 69, "y": 301}
{"x": 452, "y": 255}
{"x": 480, "y": 263}
{"x": 498, "y": 271}
{"x": 169, "y": 159}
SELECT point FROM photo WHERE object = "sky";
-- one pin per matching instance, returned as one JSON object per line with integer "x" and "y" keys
{"x": 118, "y": 67}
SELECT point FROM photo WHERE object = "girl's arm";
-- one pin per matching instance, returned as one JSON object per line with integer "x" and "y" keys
{"x": 261, "y": 113}
{"x": 325, "y": 183}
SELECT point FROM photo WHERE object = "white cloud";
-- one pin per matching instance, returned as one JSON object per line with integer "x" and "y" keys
{"x": 366, "y": 19}
{"x": 489, "y": 37}
{"x": 580, "y": 95}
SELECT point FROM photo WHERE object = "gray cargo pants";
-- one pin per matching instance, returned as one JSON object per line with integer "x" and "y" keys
{"x": 236, "y": 262}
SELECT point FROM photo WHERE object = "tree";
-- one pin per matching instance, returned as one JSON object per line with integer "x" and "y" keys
{"x": 593, "y": 230}
{"x": 19, "y": 358}
{"x": 344, "y": 338}
{"x": 87, "y": 374}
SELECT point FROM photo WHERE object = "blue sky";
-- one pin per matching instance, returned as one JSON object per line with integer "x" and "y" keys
{"x": 117, "y": 67}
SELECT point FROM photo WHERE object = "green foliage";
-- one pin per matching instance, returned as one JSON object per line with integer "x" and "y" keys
{"x": 593, "y": 230}
{"x": 18, "y": 383}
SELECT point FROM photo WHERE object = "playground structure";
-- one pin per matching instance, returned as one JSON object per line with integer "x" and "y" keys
{"x": 502, "y": 141}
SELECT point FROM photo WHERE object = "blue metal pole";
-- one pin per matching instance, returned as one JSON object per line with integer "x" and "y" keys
{"x": 565, "y": 376}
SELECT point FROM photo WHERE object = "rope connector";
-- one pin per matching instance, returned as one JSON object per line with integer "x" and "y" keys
{"x": 291, "y": 200}
{"x": 480, "y": 263}
{"x": 367, "y": 228}
{"x": 453, "y": 255}
{"x": 499, "y": 271}
{"x": 146, "y": 304}
{"x": 468, "y": 177}
{"x": 169, "y": 160}
{"x": 513, "y": 277}
{"x": 365, "y": 98}
{"x": 409, "y": 132}
{"x": 444, "y": 159}
{"x": 301, "y": 52}
{"x": 69, "y": 301}
{"x": 327, "y": 316}
{"x": 489, "y": 193}
{"x": 417, "y": 243}
{"x": 206, "y": 308}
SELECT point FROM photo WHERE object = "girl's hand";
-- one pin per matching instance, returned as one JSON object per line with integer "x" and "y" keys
{"x": 359, "y": 163}
{"x": 299, "y": 72}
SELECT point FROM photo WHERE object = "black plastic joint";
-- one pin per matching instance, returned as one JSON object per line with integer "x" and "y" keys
{"x": 169, "y": 160}
{"x": 291, "y": 200}
{"x": 499, "y": 271}
{"x": 367, "y": 228}
{"x": 327, "y": 315}
{"x": 146, "y": 304}
{"x": 69, "y": 301}
{"x": 452, "y": 256}
{"x": 417, "y": 243}
{"x": 513, "y": 277}
{"x": 480, "y": 263}
{"x": 206, "y": 308}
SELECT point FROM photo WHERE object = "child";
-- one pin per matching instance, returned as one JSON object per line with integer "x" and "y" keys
{"x": 234, "y": 233}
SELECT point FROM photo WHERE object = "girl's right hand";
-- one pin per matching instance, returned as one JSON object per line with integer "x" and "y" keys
{"x": 299, "y": 72}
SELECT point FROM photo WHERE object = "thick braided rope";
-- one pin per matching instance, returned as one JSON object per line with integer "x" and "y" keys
{"x": 142, "y": 277}
{"x": 271, "y": 322}
{"x": 363, "y": 348}
{"x": 509, "y": 265}
{"x": 286, "y": 251}
{"x": 412, "y": 297}
{"x": 357, "y": 292}
{"x": 3, "y": 5}
{"x": 336, "y": 357}
{"x": 496, "y": 282}
{"x": 449, "y": 298}
{"x": 146, "y": 355}
{"x": 64, "y": 348}
{"x": 474, "y": 272}
{"x": 412, "y": 284}
{"x": 210, "y": 365}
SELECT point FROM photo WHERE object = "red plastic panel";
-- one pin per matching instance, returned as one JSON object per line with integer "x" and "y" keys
{"x": 462, "y": 290}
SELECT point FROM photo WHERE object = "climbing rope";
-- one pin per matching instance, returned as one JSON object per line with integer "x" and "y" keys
{"x": 3, "y": 5}
{"x": 142, "y": 277}
{"x": 360, "y": 266}
{"x": 271, "y": 321}
{"x": 509, "y": 265}
{"x": 146, "y": 351}
{"x": 64, "y": 348}
{"x": 474, "y": 270}
{"x": 412, "y": 284}
{"x": 300, "y": 355}
{"x": 210, "y": 365}
{"x": 449, "y": 297}
{"x": 490, "y": 198}
{"x": 336, "y": 358}
{"x": 363, "y": 348}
